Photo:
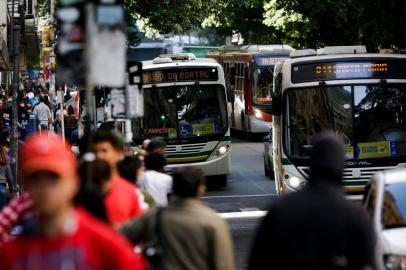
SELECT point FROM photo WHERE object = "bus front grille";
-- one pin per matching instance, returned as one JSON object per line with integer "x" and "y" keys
{"x": 185, "y": 149}
{"x": 352, "y": 174}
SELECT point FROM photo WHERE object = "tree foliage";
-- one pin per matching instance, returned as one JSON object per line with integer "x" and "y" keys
{"x": 167, "y": 16}
{"x": 244, "y": 17}
{"x": 313, "y": 23}
{"x": 301, "y": 23}
{"x": 316, "y": 23}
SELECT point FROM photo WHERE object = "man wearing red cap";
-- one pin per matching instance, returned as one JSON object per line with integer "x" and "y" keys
{"x": 60, "y": 236}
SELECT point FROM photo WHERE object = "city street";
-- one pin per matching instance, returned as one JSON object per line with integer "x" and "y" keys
{"x": 248, "y": 190}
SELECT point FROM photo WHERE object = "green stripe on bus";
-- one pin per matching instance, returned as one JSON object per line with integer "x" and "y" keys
{"x": 286, "y": 161}
{"x": 200, "y": 154}
{"x": 355, "y": 183}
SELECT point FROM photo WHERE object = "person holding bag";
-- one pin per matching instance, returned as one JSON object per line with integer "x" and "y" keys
{"x": 186, "y": 234}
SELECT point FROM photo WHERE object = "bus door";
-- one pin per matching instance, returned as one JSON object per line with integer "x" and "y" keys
{"x": 230, "y": 70}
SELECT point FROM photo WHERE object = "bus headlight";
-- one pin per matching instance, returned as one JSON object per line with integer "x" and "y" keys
{"x": 295, "y": 182}
{"x": 220, "y": 151}
{"x": 258, "y": 114}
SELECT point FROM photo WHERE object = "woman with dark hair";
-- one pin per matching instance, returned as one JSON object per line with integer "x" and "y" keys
{"x": 130, "y": 168}
{"x": 93, "y": 175}
{"x": 6, "y": 177}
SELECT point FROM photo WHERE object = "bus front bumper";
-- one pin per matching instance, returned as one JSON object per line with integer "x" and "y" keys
{"x": 218, "y": 166}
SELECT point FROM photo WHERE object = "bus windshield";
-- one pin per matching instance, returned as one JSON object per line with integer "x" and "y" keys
{"x": 371, "y": 119}
{"x": 184, "y": 112}
{"x": 262, "y": 84}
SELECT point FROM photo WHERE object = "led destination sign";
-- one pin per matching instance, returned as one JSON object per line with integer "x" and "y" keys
{"x": 179, "y": 75}
{"x": 269, "y": 61}
{"x": 349, "y": 70}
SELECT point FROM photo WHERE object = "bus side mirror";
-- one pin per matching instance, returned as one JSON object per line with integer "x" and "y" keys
{"x": 276, "y": 104}
{"x": 230, "y": 94}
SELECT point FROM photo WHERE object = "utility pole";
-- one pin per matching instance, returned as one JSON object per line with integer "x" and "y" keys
{"x": 16, "y": 29}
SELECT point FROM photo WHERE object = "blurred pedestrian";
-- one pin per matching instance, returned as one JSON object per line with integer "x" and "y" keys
{"x": 187, "y": 234}
{"x": 60, "y": 236}
{"x": 155, "y": 181}
{"x": 94, "y": 174}
{"x": 18, "y": 210}
{"x": 32, "y": 99}
{"x": 316, "y": 228}
{"x": 156, "y": 145}
{"x": 122, "y": 201}
{"x": 44, "y": 114}
{"x": 30, "y": 123}
{"x": 130, "y": 168}
{"x": 57, "y": 123}
{"x": 143, "y": 150}
{"x": 70, "y": 122}
{"x": 89, "y": 197}
{"x": 6, "y": 177}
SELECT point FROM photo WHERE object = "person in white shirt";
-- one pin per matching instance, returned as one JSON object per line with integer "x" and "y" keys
{"x": 44, "y": 114}
{"x": 154, "y": 181}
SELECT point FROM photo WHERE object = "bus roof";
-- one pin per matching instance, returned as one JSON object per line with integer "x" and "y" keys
{"x": 345, "y": 57}
{"x": 191, "y": 63}
{"x": 247, "y": 50}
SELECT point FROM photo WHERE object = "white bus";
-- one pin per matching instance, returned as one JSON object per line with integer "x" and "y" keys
{"x": 358, "y": 95}
{"x": 185, "y": 103}
{"x": 249, "y": 78}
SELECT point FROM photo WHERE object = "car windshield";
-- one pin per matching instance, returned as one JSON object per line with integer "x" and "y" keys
{"x": 183, "y": 112}
{"x": 262, "y": 85}
{"x": 371, "y": 119}
{"x": 394, "y": 205}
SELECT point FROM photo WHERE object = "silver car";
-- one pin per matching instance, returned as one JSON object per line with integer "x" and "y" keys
{"x": 385, "y": 200}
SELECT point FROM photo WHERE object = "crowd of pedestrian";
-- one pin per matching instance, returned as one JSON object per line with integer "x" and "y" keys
{"x": 38, "y": 112}
{"x": 108, "y": 209}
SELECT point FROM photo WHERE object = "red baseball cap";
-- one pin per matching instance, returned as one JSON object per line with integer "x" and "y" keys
{"x": 47, "y": 153}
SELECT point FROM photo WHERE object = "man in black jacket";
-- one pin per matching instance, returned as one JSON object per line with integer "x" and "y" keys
{"x": 316, "y": 228}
